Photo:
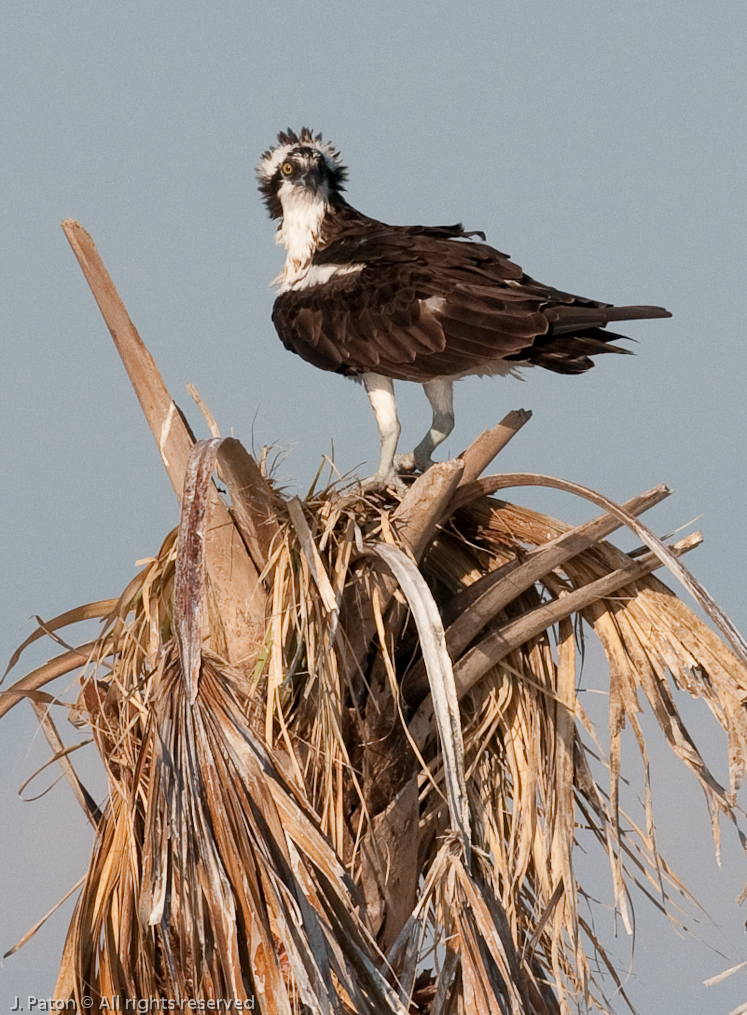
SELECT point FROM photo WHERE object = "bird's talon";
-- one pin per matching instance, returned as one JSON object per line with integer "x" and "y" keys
{"x": 380, "y": 482}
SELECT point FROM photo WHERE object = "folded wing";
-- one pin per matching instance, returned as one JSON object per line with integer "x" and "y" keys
{"x": 419, "y": 303}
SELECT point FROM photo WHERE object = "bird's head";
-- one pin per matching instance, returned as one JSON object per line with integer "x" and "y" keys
{"x": 300, "y": 165}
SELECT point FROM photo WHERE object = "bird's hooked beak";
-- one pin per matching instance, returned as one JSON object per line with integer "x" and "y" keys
{"x": 311, "y": 176}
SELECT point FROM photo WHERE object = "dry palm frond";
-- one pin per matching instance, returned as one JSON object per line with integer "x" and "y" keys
{"x": 302, "y": 829}
{"x": 347, "y": 758}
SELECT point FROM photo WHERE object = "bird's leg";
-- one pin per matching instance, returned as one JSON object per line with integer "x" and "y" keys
{"x": 380, "y": 391}
{"x": 440, "y": 393}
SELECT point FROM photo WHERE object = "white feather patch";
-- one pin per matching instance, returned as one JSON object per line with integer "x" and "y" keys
{"x": 303, "y": 212}
{"x": 269, "y": 166}
{"x": 314, "y": 274}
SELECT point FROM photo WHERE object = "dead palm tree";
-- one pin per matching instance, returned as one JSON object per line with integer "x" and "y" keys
{"x": 346, "y": 756}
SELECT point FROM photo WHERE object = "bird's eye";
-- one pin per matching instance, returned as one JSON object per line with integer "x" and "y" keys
{"x": 287, "y": 168}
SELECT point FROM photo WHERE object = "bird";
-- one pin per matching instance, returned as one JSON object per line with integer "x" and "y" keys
{"x": 431, "y": 304}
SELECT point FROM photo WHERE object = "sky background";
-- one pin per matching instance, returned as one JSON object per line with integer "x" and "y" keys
{"x": 601, "y": 144}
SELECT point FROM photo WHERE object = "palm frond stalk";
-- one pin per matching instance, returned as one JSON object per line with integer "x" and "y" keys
{"x": 347, "y": 759}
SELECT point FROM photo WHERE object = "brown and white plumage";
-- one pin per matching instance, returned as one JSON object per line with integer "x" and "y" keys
{"x": 414, "y": 303}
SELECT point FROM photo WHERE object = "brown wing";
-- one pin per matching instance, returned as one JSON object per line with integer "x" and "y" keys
{"x": 425, "y": 306}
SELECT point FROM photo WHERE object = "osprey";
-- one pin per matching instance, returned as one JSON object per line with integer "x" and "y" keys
{"x": 414, "y": 303}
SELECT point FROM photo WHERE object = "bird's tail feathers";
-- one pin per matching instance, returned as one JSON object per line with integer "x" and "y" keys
{"x": 565, "y": 320}
{"x": 568, "y": 353}
{"x": 634, "y": 313}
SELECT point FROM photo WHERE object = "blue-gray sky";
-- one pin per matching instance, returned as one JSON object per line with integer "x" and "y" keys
{"x": 601, "y": 144}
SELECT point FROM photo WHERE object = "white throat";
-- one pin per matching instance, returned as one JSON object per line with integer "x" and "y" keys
{"x": 303, "y": 213}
